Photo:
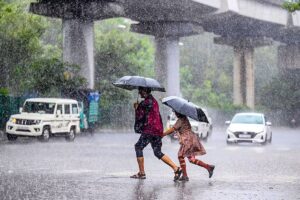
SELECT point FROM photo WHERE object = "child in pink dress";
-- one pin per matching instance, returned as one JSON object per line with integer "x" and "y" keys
{"x": 190, "y": 146}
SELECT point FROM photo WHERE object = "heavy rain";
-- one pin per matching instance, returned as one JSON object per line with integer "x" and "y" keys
{"x": 157, "y": 99}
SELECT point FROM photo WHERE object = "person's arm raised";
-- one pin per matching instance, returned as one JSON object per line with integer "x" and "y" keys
{"x": 169, "y": 131}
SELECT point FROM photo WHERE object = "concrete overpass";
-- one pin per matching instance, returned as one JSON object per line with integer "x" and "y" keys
{"x": 242, "y": 24}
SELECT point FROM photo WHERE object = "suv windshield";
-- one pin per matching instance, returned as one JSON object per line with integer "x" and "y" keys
{"x": 247, "y": 119}
{"x": 39, "y": 107}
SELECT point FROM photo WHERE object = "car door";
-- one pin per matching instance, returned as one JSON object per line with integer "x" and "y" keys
{"x": 75, "y": 111}
{"x": 59, "y": 120}
{"x": 67, "y": 117}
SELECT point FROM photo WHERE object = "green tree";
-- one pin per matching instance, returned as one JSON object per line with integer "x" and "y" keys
{"x": 120, "y": 52}
{"x": 283, "y": 94}
{"x": 48, "y": 77}
{"x": 291, "y": 6}
{"x": 20, "y": 34}
{"x": 205, "y": 75}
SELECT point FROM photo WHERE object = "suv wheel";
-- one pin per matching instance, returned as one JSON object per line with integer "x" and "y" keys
{"x": 45, "y": 135}
{"x": 11, "y": 137}
{"x": 71, "y": 135}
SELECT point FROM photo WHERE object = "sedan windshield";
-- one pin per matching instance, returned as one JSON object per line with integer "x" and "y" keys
{"x": 39, "y": 107}
{"x": 247, "y": 119}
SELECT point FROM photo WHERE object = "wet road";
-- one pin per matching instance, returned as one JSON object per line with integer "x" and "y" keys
{"x": 98, "y": 167}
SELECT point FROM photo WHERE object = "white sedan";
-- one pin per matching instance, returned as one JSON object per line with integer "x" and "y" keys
{"x": 249, "y": 127}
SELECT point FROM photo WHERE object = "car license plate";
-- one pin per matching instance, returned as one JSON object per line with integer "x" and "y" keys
{"x": 22, "y": 127}
{"x": 244, "y": 136}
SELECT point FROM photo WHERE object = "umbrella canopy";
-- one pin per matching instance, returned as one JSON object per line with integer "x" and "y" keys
{"x": 185, "y": 107}
{"x": 134, "y": 82}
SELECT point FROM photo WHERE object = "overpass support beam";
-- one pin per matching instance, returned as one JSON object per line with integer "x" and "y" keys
{"x": 78, "y": 47}
{"x": 288, "y": 57}
{"x": 78, "y": 34}
{"x": 167, "y": 58}
{"x": 167, "y": 64}
{"x": 243, "y": 67}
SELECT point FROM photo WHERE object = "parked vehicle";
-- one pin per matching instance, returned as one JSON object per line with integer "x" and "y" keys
{"x": 88, "y": 100}
{"x": 249, "y": 127}
{"x": 202, "y": 129}
{"x": 43, "y": 117}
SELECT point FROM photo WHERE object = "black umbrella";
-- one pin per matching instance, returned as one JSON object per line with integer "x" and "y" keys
{"x": 185, "y": 107}
{"x": 134, "y": 82}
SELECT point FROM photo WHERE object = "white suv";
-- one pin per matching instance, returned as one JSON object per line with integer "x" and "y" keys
{"x": 43, "y": 117}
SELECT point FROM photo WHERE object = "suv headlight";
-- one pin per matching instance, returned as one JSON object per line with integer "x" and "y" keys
{"x": 37, "y": 121}
{"x": 13, "y": 120}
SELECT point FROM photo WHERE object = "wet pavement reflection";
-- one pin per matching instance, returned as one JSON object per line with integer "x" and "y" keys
{"x": 99, "y": 166}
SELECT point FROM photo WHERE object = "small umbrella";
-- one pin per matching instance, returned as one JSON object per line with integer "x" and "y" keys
{"x": 134, "y": 82}
{"x": 185, "y": 107}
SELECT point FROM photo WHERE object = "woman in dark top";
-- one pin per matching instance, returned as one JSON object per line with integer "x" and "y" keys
{"x": 149, "y": 125}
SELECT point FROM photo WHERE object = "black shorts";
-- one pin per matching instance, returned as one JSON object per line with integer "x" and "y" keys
{"x": 154, "y": 140}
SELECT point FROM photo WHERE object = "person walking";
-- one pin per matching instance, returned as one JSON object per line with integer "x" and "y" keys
{"x": 190, "y": 146}
{"x": 148, "y": 123}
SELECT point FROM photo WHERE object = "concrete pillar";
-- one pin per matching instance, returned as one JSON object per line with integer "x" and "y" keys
{"x": 167, "y": 64}
{"x": 243, "y": 77}
{"x": 249, "y": 77}
{"x": 78, "y": 46}
{"x": 243, "y": 67}
{"x": 237, "y": 76}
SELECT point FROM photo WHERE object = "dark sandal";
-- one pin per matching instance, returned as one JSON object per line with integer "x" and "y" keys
{"x": 177, "y": 173}
{"x": 211, "y": 171}
{"x": 139, "y": 176}
{"x": 184, "y": 178}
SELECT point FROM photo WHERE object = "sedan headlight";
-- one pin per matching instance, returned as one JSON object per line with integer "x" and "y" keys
{"x": 195, "y": 128}
{"x": 260, "y": 132}
{"x": 229, "y": 131}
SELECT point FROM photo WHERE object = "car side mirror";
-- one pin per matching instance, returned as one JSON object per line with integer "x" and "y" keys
{"x": 227, "y": 122}
{"x": 268, "y": 123}
{"x": 20, "y": 109}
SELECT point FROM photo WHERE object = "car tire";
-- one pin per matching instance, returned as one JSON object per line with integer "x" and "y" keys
{"x": 265, "y": 140}
{"x": 210, "y": 131}
{"x": 229, "y": 143}
{"x": 204, "y": 138}
{"x": 270, "y": 140}
{"x": 11, "y": 137}
{"x": 45, "y": 135}
{"x": 71, "y": 135}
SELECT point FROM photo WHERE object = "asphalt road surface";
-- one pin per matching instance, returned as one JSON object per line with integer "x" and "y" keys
{"x": 99, "y": 166}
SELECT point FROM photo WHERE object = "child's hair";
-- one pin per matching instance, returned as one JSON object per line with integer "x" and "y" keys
{"x": 178, "y": 115}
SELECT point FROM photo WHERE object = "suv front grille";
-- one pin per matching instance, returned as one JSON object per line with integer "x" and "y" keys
{"x": 25, "y": 121}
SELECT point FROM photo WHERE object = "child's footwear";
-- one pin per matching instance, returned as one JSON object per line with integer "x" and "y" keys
{"x": 184, "y": 178}
{"x": 211, "y": 171}
{"x": 139, "y": 176}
